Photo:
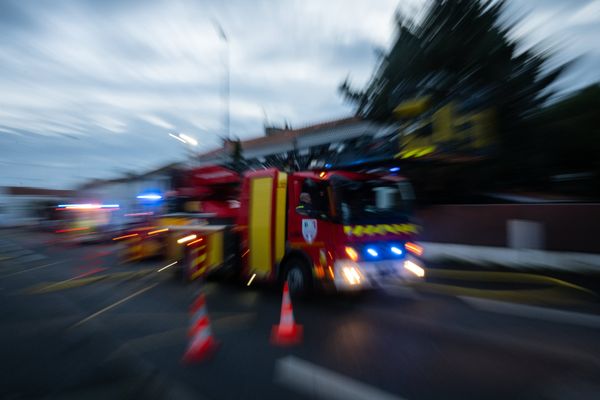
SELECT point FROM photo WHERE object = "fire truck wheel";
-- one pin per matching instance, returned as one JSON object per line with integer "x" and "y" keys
{"x": 181, "y": 270}
{"x": 298, "y": 278}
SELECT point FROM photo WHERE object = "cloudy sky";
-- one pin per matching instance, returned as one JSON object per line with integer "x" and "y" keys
{"x": 92, "y": 88}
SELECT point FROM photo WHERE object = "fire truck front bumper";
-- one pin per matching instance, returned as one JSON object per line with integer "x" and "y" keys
{"x": 355, "y": 276}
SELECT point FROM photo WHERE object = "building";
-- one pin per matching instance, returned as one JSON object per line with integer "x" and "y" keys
{"x": 310, "y": 146}
{"x": 137, "y": 193}
{"x": 340, "y": 141}
{"x": 22, "y": 206}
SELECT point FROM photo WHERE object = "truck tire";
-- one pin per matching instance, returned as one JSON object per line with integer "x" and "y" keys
{"x": 298, "y": 278}
{"x": 181, "y": 270}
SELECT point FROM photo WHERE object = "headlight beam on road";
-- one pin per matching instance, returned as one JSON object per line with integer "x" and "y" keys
{"x": 166, "y": 266}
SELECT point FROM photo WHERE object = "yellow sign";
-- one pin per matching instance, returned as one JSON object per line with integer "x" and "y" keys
{"x": 445, "y": 130}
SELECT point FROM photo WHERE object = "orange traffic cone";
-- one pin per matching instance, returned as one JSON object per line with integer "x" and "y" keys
{"x": 202, "y": 344}
{"x": 287, "y": 333}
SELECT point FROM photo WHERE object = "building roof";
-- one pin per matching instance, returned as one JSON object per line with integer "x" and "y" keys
{"x": 99, "y": 182}
{"x": 285, "y": 135}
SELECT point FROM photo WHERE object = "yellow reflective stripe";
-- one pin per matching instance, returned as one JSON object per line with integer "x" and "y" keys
{"x": 215, "y": 249}
{"x": 196, "y": 274}
{"x": 360, "y": 230}
{"x": 198, "y": 260}
{"x": 280, "y": 216}
{"x": 388, "y": 228}
{"x": 405, "y": 228}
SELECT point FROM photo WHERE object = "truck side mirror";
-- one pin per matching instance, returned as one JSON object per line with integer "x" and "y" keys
{"x": 303, "y": 211}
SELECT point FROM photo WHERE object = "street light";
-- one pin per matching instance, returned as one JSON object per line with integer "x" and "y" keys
{"x": 188, "y": 139}
{"x": 226, "y": 83}
{"x": 185, "y": 139}
{"x": 177, "y": 137}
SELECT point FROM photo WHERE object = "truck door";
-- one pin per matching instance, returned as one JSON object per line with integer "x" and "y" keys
{"x": 310, "y": 220}
{"x": 265, "y": 203}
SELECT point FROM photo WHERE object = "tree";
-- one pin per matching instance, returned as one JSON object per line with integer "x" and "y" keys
{"x": 460, "y": 50}
{"x": 238, "y": 163}
{"x": 567, "y": 133}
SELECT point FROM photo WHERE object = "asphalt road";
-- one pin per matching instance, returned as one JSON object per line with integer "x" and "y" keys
{"x": 76, "y": 323}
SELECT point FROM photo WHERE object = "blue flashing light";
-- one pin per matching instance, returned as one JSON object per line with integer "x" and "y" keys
{"x": 396, "y": 250}
{"x": 327, "y": 165}
{"x": 394, "y": 169}
{"x": 150, "y": 196}
{"x": 372, "y": 252}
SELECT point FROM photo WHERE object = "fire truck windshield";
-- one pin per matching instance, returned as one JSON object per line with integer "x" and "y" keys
{"x": 371, "y": 201}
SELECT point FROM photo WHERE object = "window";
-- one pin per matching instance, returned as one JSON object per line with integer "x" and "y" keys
{"x": 314, "y": 199}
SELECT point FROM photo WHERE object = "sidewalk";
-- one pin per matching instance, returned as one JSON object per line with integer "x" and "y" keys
{"x": 518, "y": 259}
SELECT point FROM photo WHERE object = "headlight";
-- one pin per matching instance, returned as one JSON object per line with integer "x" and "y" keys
{"x": 414, "y": 268}
{"x": 351, "y": 275}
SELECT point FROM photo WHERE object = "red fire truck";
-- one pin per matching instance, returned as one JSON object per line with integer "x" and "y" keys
{"x": 322, "y": 229}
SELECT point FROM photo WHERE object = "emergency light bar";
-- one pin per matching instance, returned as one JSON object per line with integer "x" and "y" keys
{"x": 87, "y": 206}
{"x": 150, "y": 196}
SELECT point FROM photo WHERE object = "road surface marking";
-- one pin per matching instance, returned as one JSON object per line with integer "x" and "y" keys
{"x": 318, "y": 382}
{"x": 33, "y": 268}
{"x": 105, "y": 309}
{"x": 534, "y": 312}
{"x": 88, "y": 273}
{"x": 84, "y": 279}
{"x": 166, "y": 266}
{"x": 505, "y": 277}
{"x": 68, "y": 282}
{"x": 555, "y": 294}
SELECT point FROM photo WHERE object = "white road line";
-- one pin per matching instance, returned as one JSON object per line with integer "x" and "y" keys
{"x": 34, "y": 268}
{"x": 534, "y": 312}
{"x": 319, "y": 382}
{"x": 131, "y": 296}
{"x": 166, "y": 266}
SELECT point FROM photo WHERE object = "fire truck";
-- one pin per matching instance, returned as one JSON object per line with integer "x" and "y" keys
{"x": 323, "y": 229}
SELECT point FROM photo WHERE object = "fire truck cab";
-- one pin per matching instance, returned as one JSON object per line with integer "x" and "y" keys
{"x": 327, "y": 229}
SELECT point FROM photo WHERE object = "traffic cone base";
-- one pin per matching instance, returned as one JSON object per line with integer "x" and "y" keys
{"x": 287, "y": 333}
{"x": 287, "y": 337}
{"x": 203, "y": 352}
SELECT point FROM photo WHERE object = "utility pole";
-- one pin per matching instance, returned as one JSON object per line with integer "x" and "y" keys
{"x": 226, "y": 83}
